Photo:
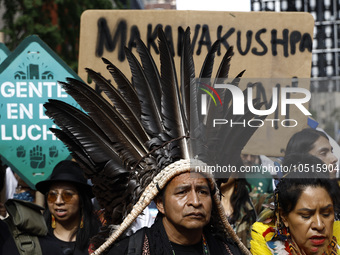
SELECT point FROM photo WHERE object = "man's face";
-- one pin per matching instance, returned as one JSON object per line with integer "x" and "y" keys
{"x": 248, "y": 159}
{"x": 186, "y": 204}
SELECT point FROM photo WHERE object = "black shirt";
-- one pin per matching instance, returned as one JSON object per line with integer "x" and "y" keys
{"x": 159, "y": 244}
{"x": 195, "y": 249}
{"x": 68, "y": 248}
{"x": 8, "y": 246}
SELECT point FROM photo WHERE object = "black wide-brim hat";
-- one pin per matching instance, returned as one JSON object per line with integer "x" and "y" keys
{"x": 66, "y": 171}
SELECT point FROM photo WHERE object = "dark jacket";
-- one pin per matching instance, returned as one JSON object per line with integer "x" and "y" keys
{"x": 159, "y": 243}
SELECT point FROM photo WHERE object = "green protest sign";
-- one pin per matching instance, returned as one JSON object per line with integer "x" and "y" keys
{"x": 4, "y": 52}
{"x": 29, "y": 77}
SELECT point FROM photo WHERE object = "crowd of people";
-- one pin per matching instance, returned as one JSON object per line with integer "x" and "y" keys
{"x": 297, "y": 215}
{"x": 139, "y": 152}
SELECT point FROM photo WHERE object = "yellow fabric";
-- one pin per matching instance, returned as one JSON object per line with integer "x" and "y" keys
{"x": 258, "y": 241}
{"x": 336, "y": 233}
{"x": 336, "y": 230}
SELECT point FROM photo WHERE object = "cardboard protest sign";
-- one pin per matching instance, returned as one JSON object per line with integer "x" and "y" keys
{"x": 29, "y": 77}
{"x": 267, "y": 45}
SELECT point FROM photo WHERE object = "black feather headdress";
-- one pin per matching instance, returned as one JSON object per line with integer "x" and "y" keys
{"x": 133, "y": 145}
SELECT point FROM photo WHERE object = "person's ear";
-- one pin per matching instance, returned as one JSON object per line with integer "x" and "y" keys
{"x": 283, "y": 218}
{"x": 159, "y": 204}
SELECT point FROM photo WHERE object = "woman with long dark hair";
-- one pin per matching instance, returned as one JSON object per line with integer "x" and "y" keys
{"x": 69, "y": 214}
{"x": 313, "y": 142}
{"x": 242, "y": 206}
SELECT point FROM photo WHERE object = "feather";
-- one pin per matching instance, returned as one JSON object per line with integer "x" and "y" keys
{"x": 187, "y": 78}
{"x": 208, "y": 63}
{"x": 206, "y": 71}
{"x": 221, "y": 75}
{"x": 150, "y": 71}
{"x": 77, "y": 126}
{"x": 120, "y": 103}
{"x": 223, "y": 70}
{"x": 124, "y": 87}
{"x": 212, "y": 132}
{"x": 94, "y": 142}
{"x": 113, "y": 190}
{"x": 150, "y": 113}
{"x": 89, "y": 167}
{"x": 105, "y": 116}
{"x": 227, "y": 96}
{"x": 172, "y": 111}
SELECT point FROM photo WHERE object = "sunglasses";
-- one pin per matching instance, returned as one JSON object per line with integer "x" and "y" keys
{"x": 66, "y": 196}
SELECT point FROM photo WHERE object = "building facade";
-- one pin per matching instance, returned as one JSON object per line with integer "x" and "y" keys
{"x": 325, "y": 72}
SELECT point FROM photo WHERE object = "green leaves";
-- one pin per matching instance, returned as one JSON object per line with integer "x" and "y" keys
{"x": 56, "y": 22}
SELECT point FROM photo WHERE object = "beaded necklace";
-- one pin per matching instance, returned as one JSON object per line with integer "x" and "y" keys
{"x": 204, "y": 244}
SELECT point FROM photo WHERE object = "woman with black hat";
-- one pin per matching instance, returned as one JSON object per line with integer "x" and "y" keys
{"x": 69, "y": 213}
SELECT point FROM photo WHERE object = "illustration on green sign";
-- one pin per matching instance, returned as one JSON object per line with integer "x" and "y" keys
{"x": 29, "y": 78}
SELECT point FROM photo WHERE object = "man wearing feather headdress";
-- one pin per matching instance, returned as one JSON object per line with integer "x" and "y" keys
{"x": 140, "y": 147}
{"x": 183, "y": 225}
